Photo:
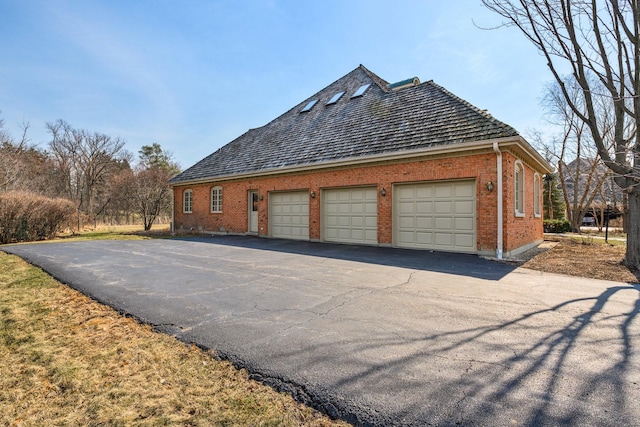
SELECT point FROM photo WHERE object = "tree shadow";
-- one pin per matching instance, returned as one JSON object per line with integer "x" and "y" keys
{"x": 531, "y": 370}
{"x": 469, "y": 265}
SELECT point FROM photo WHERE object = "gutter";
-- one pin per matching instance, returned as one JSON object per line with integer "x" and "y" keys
{"x": 496, "y": 148}
{"x": 402, "y": 155}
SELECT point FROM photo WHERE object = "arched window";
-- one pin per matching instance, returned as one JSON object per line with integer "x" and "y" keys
{"x": 216, "y": 199}
{"x": 536, "y": 194}
{"x": 519, "y": 188}
{"x": 187, "y": 201}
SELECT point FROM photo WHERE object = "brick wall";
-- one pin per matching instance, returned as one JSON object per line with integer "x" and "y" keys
{"x": 480, "y": 166}
{"x": 519, "y": 230}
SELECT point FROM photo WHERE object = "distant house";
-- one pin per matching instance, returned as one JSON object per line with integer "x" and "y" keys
{"x": 366, "y": 162}
{"x": 591, "y": 177}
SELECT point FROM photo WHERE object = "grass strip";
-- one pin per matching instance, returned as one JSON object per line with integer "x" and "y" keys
{"x": 67, "y": 360}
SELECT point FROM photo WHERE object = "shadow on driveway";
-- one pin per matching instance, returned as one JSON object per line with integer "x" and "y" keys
{"x": 442, "y": 262}
{"x": 565, "y": 374}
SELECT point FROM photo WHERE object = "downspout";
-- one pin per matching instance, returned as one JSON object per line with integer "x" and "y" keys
{"x": 496, "y": 148}
{"x": 173, "y": 208}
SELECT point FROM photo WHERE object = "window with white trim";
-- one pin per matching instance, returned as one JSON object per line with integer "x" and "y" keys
{"x": 536, "y": 195}
{"x": 519, "y": 188}
{"x": 216, "y": 199}
{"x": 187, "y": 201}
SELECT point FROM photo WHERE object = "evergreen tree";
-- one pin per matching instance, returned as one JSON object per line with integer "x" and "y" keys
{"x": 553, "y": 203}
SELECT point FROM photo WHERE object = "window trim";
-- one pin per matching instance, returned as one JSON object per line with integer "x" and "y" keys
{"x": 188, "y": 192}
{"x": 519, "y": 188}
{"x": 216, "y": 200}
{"x": 536, "y": 194}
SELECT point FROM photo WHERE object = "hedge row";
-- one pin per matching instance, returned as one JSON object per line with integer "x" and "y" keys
{"x": 556, "y": 226}
{"x": 27, "y": 217}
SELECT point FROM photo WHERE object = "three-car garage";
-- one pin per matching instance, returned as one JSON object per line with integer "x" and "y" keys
{"x": 435, "y": 215}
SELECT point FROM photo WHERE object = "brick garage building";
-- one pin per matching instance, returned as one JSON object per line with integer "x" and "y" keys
{"x": 367, "y": 162}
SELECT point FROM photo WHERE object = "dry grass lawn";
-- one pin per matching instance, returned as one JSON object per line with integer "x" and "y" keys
{"x": 584, "y": 257}
{"x": 69, "y": 361}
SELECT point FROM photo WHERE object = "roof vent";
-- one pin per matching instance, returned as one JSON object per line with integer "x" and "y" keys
{"x": 414, "y": 81}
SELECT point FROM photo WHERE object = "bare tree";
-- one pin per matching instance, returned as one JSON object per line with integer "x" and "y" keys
{"x": 152, "y": 191}
{"x": 581, "y": 171}
{"x": 600, "y": 42}
{"x": 84, "y": 160}
{"x": 23, "y": 167}
{"x": 152, "y": 194}
{"x": 145, "y": 188}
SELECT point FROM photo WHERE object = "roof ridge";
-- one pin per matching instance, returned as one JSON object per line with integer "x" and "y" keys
{"x": 379, "y": 81}
{"x": 483, "y": 113}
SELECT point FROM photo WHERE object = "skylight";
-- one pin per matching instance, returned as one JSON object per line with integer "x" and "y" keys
{"x": 309, "y": 106}
{"x": 335, "y": 98}
{"x": 361, "y": 90}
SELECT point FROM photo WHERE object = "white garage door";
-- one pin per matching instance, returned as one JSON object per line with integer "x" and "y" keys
{"x": 438, "y": 216}
{"x": 350, "y": 215}
{"x": 289, "y": 215}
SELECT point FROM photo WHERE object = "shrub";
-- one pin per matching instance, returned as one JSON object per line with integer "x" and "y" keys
{"x": 556, "y": 226}
{"x": 26, "y": 216}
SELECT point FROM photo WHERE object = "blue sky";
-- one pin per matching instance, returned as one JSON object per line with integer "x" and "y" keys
{"x": 192, "y": 75}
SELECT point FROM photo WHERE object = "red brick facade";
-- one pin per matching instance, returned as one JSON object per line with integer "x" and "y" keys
{"x": 518, "y": 231}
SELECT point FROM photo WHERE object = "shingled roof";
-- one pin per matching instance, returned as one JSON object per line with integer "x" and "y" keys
{"x": 386, "y": 119}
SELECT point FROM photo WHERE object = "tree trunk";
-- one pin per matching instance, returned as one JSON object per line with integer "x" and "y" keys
{"x": 632, "y": 258}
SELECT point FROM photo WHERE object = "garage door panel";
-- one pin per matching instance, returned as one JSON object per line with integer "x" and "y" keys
{"x": 371, "y": 235}
{"x": 289, "y": 215}
{"x": 422, "y": 223}
{"x": 443, "y": 223}
{"x": 420, "y": 193}
{"x": 443, "y": 239}
{"x": 443, "y": 191}
{"x": 422, "y": 207}
{"x": 464, "y": 224}
{"x": 424, "y": 238}
{"x": 356, "y": 195}
{"x": 344, "y": 221}
{"x": 405, "y": 193}
{"x": 350, "y": 215}
{"x": 465, "y": 240}
{"x": 371, "y": 223}
{"x": 463, "y": 207}
{"x": 435, "y": 215}
{"x": 357, "y": 221}
{"x": 444, "y": 207}
{"x": 466, "y": 191}
{"x": 406, "y": 207}
{"x": 407, "y": 222}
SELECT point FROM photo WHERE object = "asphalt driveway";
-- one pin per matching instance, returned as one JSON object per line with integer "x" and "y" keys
{"x": 381, "y": 336}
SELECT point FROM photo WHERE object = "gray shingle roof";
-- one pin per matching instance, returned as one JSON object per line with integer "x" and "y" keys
{"x": 381, "y": 121}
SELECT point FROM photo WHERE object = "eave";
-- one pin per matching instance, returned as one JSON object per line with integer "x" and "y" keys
{"x": 516, "y": 143}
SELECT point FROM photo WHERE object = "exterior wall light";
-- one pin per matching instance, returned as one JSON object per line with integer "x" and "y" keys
{"x": 490, "y": 186}
{"x": 261, "y": 197}
{"x": 313, "y": 194}
{"x": 383, "y": 192}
